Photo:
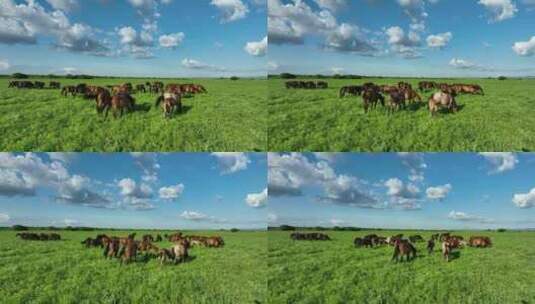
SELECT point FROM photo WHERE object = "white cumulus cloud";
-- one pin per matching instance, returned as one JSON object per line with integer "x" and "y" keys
{"x": 499, "y": 9}
{"x": 257, "y": 48}
{"x": 257, "y": 200}
{"x": 501, "y": 161}
{"x": 525, "y": 48}
{"x": 438, "y": 192}
{"x": 525, "y": 200}
{"x": 231, "y": 10}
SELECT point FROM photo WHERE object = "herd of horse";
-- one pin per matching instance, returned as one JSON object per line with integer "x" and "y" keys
{"x": 39, "y": 236}
{"x": 404, "y": 247}
{"x": 119, "y": 98}
{"x": 299, "y": 84}
{"x": 400, "y": 94}
{"x": 126, "y": 249}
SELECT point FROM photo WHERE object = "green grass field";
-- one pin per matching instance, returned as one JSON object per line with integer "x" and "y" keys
{"x": 67, "y": 272}
{"x": 317, "y": 120}
{"x": 336, "y": 272}
{"x": 232, "y": 116}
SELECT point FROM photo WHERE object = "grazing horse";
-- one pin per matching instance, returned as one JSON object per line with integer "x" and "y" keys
{"x": 322, "y": 85}
{"x": 54, "y": 85}
{"x": 121, "y": 102}
{"x": 314, "y": 236}
{"x": 129, "y": 250}
{"x": 480, "y": 241}
{"x": 371, "y": 97}
{"x": 103, "y": 101}
{"x": 363, "y": 242}
{"x": 386, "y": 89}
{"x": 175, "y": 237}
{"x": 430, "y": 245}
{"x": 397, "y": 101}
{"x": 214, "y": 241}
{"x": 111, "y": 247}
{"x": 350, "y": 90}
{"x": 403, "y": 248}
{"x": 141, "y": 88}
{"x": 171, "y": 103}
{"x": 180, "y": 251}
{"x": 166, "y": 254}
{"x": 404, "y": 85}
{"x": 411, "y": 95}
{"x": 441, "y": 100}
{"x": 426, "y": 85}
{"x": 444, "y": 236}
{"x": 446, "y": 250}
{"x": 68, "y": 90}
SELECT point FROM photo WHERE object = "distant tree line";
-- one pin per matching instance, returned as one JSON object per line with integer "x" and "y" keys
{"x": 316, "y": 228}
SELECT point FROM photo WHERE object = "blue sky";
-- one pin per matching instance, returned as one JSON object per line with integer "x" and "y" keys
{"x": 403, "y": 37}
{"x": 134, "y": 37}
{"x": 134, "y": 190}
{"x": 403, "y": 190}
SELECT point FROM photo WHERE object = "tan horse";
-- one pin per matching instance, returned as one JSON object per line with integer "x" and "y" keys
{"x": 441, "y": 100}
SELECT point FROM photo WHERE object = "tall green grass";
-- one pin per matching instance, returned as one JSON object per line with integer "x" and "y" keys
{"x": 317, "y": 120}
{"x": 232, "y": 116}
{"x": 337, "y": 272}
{"x": 67, "y": 272}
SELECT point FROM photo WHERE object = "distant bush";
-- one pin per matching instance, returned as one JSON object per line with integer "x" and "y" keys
{"x": 19, "y": 76}
{"x": 287, "y": 227}
{"x": 502, "y": 78}
{"x": 501, "y": 230}
{"x": 234, "y": 230}
{"x": 19, "y": 227}
{"x": 288, "y": 76}
{"x": 234, "y": 78}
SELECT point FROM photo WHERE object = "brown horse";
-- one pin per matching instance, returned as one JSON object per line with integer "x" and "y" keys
{"x": 480, "y": 241}
{"x": 103, "y": 101}
{"x": 397, "y": 101}
{"x": 214, "y": 241}
{"x": 129, "y": 250}
{"x": 121, "y": 102}
{"x": 370, "y": 98}
{"x": 111, "y": 247}
{"x": 411, "y": 95}
{"x": 430, "y": 246}
{"x": 403, "y": 248}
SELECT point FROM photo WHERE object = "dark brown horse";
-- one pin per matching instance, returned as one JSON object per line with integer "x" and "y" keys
{"x": 397, "y": 101}
{"x": 370, "y": 98}
{"x": 403, "y": 248}
{"x": 430, "y": 246}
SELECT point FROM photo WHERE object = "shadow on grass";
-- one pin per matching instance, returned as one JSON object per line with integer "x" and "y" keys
{"x": 142, "y": 107}
{"x": 454, "y": 255}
